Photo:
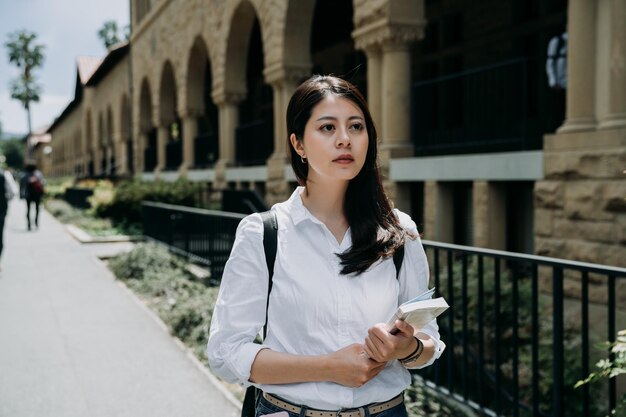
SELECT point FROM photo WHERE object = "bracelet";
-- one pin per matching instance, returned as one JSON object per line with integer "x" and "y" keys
{"x": 419, "y": 344}
{"x": 415, "y": 354}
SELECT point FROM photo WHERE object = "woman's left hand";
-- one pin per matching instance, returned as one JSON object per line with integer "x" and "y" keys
{"x": 382, "y": 346}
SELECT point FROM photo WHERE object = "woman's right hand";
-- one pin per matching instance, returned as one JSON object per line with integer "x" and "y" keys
{"x": 352, "y": 367}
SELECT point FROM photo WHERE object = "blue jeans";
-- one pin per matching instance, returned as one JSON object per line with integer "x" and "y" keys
{"x": 264, "y": 407}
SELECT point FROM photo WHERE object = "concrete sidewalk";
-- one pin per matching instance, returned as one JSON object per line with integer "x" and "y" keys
{"x": 73, "y": 342}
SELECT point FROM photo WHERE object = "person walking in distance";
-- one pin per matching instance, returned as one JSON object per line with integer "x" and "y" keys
{"x": 32, "y": 190}
{"x": 327, "y": 351}
{"x": 8, "y": 189}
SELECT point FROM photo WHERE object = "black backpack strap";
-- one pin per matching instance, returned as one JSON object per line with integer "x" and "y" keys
{"x": 270, "y": 244}
{"x": 398, "y": 257}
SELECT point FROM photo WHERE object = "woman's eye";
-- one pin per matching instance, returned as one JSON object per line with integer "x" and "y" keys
{"x": 357, "y": 126}
{"x": 327, "y": 128}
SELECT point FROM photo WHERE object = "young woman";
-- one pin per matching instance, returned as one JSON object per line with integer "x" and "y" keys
{"x": 334, "y": 282}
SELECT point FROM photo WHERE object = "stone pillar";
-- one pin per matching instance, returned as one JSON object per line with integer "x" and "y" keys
{"x": 395, "y": 129}
{"x": 97, "y": 160}
{"x": 374, "y": 88}
{"x": 489, "y": 215}
{"x": 190, "y": 131}
{"x": 284, "y": 80}
{"x": 120, "y": 155}
{"x": 227, "y": 104}
{"x": 438, "y": 212}
{"x": 616, "y": 117}
{"x": 387, "y": 41}
{"x": 580, "y": 108}
{"x": 163, "y": 134}
{"x": 140, "y": 147}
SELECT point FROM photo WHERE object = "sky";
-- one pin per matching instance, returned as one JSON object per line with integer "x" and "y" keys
{"x": 67, "y": 28}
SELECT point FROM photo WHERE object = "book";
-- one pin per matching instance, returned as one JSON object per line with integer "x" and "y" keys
{"x": 419, "y": 311}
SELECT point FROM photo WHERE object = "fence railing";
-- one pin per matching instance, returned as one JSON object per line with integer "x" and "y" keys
{"x": 206, "y": 235}
{"x": 520, "y": 332}
{"x": 522, "y": 329}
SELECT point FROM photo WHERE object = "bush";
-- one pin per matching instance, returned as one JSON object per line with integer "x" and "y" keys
{"x": 125, "y": 205}
{"x": 145, "y": 260}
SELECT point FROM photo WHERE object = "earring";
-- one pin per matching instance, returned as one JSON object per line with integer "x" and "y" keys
{"x": 303, "y": 159}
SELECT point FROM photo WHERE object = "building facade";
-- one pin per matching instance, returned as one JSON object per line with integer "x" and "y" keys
{"x": 473, "y": 142}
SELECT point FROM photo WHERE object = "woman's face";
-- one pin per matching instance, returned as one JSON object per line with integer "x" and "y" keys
{"x": 335, "y": 140}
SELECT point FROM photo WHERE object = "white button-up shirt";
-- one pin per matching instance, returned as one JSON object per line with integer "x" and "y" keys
{"x": 313, "y": 309}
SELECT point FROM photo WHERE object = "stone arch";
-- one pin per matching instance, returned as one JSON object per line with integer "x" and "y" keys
{"x": 200, "y": 105}
{"x": 297, "y": 32}
{"x": 145, "y": 107}
{"x": 167, "y": 94}
{"x": 89, "y": 145}
{"x": 169, "y": 118}
{"x": 244, "y": 82}
{"x": 147, "y": 146}
{"x": 101, "y": 147}
{"x": 77, "y": 153}
{"x": 110, "y": 144}
{"x": 198, "y": 64}
{"x": 334, "y": 52}
{"x": 237, "y": 44}
{"x": 126, "y": 142}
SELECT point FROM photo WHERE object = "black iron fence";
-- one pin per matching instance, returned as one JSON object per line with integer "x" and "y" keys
{"x": 520, "y": 332}
{"x": 206, "y": 235}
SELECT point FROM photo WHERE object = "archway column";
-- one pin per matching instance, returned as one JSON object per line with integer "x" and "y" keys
{"x": 284, "y": 80}
{"x": 580, "y": 95}
{"x": 120, "y": 154}
{"x": 228, "y": 120}
{"x": 163, "y": 133}
{"x": 140, "y": 147}
{"x": 616, "y": 117}
{"x": 387, "y": 47}
{"x": 190, "y": 131}
{"x": 374, "y": 85}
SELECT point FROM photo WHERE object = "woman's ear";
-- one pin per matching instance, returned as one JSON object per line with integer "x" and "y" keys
{"x": 297, "y": 144}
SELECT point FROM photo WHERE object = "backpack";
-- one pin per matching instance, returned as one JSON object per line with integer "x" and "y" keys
{"x": 270, "y": 244}
{"x": 35, "y": 186}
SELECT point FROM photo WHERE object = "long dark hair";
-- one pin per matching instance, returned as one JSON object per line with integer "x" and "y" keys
{"x": 376, "y": 231}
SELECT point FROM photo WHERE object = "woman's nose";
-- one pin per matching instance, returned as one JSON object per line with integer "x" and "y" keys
{"x": 343, "y": 139}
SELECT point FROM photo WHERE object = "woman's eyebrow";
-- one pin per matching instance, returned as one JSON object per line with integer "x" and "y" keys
{"x": 334, "y": 118}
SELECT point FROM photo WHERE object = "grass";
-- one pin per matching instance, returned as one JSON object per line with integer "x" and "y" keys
{"x": 85, "y": 220}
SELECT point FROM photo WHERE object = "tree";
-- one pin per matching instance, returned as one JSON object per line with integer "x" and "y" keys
{"x": 13, "y": 151}
{"x": 27, "y": 56}
{"x": 110, "y": 34}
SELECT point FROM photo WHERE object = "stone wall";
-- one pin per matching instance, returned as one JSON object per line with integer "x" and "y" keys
{"x": 580, "y": 207}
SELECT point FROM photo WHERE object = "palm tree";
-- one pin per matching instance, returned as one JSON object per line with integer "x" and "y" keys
{"x": 27, "y": 56}
{"x": 110, "y": 33}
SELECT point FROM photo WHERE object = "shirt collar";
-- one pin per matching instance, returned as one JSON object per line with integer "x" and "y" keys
{"x": 297, "y": 210}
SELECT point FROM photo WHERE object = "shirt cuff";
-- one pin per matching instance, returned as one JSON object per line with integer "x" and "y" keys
{"x": 241, "y": 363}
{"x": 439, "y": 348}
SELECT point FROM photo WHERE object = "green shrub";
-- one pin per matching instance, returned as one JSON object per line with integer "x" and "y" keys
{"x": 146, "y": 259}
{"x": 125, "y": 205}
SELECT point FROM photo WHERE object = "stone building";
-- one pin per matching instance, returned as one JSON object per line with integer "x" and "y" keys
{"x": 473, "y": 142}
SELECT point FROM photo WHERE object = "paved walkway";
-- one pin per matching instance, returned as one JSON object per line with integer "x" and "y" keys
{"x": 73, "y": 342}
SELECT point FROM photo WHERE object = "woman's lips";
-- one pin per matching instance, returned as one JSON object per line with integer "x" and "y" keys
{"x": 344, "y": 159}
